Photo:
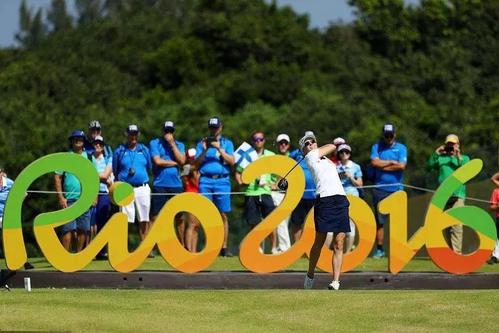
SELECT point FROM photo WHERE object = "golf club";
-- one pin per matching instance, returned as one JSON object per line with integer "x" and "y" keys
{"x": 283, "y": 183}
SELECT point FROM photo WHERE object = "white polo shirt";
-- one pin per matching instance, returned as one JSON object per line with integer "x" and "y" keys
{"x": 325, "y": 175}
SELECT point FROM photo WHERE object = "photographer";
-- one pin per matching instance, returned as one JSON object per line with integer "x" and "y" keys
{"x": 214, "y": 159}
{"x": 168, "y": 156}
{"x": 446, "y": 159}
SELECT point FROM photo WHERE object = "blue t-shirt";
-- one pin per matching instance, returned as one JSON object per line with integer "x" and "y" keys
{"x": 71, "y": 185}
{"x": 101, "y": 164}
{"x": 353, "y": 169}
{"x": 213, "y": 163}
{"x": 166, "y": 176}
{"x": 309, "y": 180}
{"x": 396, "y": 152}
{"x": 4, "y": 193}
{"x": 139, "y": 159}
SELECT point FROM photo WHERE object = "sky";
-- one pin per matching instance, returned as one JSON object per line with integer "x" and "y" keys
{"x": 321, "y": 12}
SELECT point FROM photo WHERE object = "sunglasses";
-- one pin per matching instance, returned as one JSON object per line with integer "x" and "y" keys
{"x": 389, "y": 136}
{"x": 283, "y": 143}
{"x": 259, "y": 139}
{"x": 344, "y": 152}
{"x": 309, "y": 142}
{"x": 98, "y": 143}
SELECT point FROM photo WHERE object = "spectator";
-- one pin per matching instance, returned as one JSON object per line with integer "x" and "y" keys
{"x": 94, "y": 130}
{"x": 168, "y": 156}
{"x": 446, "y": 159}
{"x": 388, "y": 159}
{"x": 5, "y": 187}
{"x": 351, "y": 178}
{"x": 330, "y": 207}
{"x": 214, "y": 159}
{"x": 258, "y": 202}
{"x": 131, "y": 163}
{"x": 102, "y": 210}
{"x": 68, "y": 189}
{"x": 283, "y": 241}
{"x": 190, "y": 178}
{"x": 306, "y": 203}
{"x": 494, "y": 207}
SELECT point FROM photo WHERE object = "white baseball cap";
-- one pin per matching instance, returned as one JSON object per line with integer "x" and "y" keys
{"x": 283, "y": 137}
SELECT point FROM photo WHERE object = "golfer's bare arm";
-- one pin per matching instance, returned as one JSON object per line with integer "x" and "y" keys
{"x": 327, "y": 150}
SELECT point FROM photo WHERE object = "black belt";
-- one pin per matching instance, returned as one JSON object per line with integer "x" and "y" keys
{"x": 215, "y": 176}
{"x": 140, "y": 185}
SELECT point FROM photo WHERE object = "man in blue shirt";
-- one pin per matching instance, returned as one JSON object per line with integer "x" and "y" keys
{"x": 214, "y": 159}
{"x": 306, "y": 203}
{"x": 168, "y": 157}
{"x": 131, "y": 163}
{"x": 68, "y": 190}
{"x": 388, "y": 159}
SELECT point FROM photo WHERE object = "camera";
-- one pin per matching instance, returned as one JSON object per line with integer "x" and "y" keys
{"x": 449, "y": 148}
{"x": 211, "y": 139}
{"x": 131, "y": 172}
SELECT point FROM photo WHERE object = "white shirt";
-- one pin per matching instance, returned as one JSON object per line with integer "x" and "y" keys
{"x": 325, "y": 175}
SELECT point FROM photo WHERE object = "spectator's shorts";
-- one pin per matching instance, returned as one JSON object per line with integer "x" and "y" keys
{"x": 80, "y": 223}
{"x": 299, "y": 215}
{"x": 141, "y": 204}
{"x": 378, "y": 196}
{"x": 209, "y": 186}
{"x": 158, "y": 201}
{"x": 331, "y": 214}
{"x": 257, "y": 208}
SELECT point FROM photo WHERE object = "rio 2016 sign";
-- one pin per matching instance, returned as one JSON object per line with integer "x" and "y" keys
{"x": 162, "y": 233}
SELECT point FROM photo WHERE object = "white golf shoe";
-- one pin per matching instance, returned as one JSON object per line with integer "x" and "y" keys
{"x": 308, "y": 283}
{"x": 334, "y": 285}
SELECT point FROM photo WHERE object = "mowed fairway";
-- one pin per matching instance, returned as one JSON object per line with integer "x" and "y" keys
{"x": 80, "y": 310}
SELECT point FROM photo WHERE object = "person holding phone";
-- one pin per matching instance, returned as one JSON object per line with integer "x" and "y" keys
{"x": 446, "y": 159}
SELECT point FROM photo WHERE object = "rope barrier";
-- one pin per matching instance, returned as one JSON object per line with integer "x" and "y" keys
{"x": 422, "y": 189}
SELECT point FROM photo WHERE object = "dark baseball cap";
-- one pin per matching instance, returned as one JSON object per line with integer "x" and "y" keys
{"x": 388, "y": 129}
{"x": 132, "y": 128}
{"x": 169, "y": 125}
{"x": 214, "y": 122}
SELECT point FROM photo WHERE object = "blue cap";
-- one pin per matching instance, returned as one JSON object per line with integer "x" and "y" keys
{"x": 214, "y": 122}
{"x": 77, "y": 134}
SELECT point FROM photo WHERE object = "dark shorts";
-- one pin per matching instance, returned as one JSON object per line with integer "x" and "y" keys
{"x": 378, "y": 196}
{"x": 158, "y": 201}
{"x": 299, "y": 215}
{"x": 257, "y": 208}
{"x": 331, "y": 214}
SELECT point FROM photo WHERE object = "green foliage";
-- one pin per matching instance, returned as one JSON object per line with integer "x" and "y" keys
{"x": 431, "y": 69}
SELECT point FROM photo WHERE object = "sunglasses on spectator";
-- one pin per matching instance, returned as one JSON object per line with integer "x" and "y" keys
{"x": 258, "y": 139}
{"x": 389, "y": 136}
{"x": 308, "y": 143}
{"x": 283, "y": 142}
{"x": 98, "y": 143}
{"x": 344, "y": 152}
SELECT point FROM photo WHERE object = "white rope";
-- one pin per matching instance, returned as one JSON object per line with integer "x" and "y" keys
{"x": 422, "y": 189}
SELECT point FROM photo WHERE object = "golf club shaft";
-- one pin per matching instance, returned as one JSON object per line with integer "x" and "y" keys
{"x": 297, "y": 163}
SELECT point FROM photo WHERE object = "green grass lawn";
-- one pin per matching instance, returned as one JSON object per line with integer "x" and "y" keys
{"x": 232, "y": 264}
{"x": 249, "y": 311}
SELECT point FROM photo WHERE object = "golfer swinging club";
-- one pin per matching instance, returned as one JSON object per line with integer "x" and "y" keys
{"x": 330, "y": 207}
